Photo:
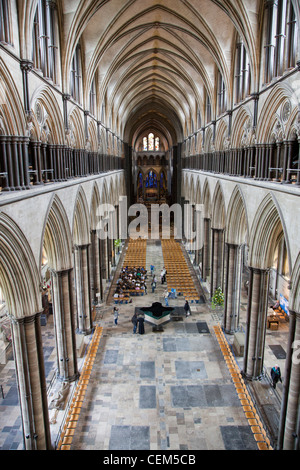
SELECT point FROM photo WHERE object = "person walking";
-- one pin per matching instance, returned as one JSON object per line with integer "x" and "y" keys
{"x": 134, "y": 322}
{"x": 165, "y": 274}
{"x": 166, "y": 295}
{"x": 152, "y": 269}
{"x": 116, "y": 315}
{"x": 153, "y": 284}
{"x": 162, "y": 275}
{"x": 275, "y": 375}
{"x": 187, "y": 308}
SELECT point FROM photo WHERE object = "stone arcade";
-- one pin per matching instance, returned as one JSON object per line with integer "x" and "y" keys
{"x": 191, "y": 104}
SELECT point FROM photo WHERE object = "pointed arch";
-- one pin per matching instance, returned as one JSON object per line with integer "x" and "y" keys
{"x": 81, "y": 221}
{"x": 12, "y": 115}
{"x": 76, "y": 126}
{"x": 242, "y": 128}
{"x": 198, "y": 192}
{"x": 92, "y": 131}
{"x": 294, "y": 299}
{"x": 270, "y": 114}
{"x": 104, "y": 193}
{"x": 266, "y": 230}
{"x": 207, "y": 200}
{"x": 218, "y": 208}
{"x": 237, "y": 229}
{"x": 57, "y": 237}
{"x": 50, "y": 117}
{"x": 95, "y": 202}
{"x": 191, "y": 191}
{"x": 221, "y": 134}
{"x": 19, "y": 276}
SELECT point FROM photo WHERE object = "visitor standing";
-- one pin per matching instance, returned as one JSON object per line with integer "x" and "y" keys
{"x": 153, "y": 284}
{"x": 116, "y": 315}
{"x": 134, "y": 322}
{"x": 166, "y": 295}
{"x": 187, "y": 309}
{"x": 141, "y": 319}
{"x": 275, "y": 375}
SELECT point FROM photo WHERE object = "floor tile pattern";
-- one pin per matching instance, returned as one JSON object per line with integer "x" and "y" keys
{"x": 163, "y": 390}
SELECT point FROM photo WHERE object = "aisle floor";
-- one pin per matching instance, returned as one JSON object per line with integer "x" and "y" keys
{"x": 166, "y": 390}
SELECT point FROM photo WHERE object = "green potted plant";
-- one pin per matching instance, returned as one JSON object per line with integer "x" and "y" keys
{"x": 218, "y": 298}
{"x": 117, "y": 244}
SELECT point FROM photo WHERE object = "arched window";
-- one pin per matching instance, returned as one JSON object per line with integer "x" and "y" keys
{"x": 242, "y": 73}
{"x": 208, "y": 108}
{"x": 140, "y": 181}
{"x": 291, "y": 37}
{"x": 5, "y": 31}
{"x": 151, "y": 143}
{"x": 44, "y": 50}
{"x": 75, "y": 74}
{"x": 145, "y": 144}
{"x": 281, "y": 38}
{"x": 93, "y": 97}
{"x": 222, "y": 101}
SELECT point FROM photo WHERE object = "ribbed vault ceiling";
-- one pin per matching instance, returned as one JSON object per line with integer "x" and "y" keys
{"x": 155, "y": 59}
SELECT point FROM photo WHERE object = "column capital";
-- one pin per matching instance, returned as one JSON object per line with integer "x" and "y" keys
{"x": 26, "y": 65}
{"x": 257, "y": 270}
{"x": 25, "y": 319}
{"x": 61, "y": 272}
{"x": 81, "y": 247}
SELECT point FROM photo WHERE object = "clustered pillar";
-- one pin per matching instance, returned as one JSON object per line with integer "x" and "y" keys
{"x": 29, "y": 360}
{"x": 232, "y": 287}
{"x": 256, "y": 322}
{"x": 82, "y": 279}
{"x": 63, "y": 303}
{"x": 217, "y": 259}
{"x": 289, "y": 425}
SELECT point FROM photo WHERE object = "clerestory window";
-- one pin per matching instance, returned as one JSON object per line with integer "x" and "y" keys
{"x": 44, "y": 40}
{"x": 5, "y": 28}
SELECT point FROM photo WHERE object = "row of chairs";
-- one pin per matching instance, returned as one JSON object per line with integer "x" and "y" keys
{"x": 135, "y": 257}
{"x": 260, "y": 435}
{"x": 136, "y": 253}
{"x": 178, "y": 273}
{"x": 68, "y": 431}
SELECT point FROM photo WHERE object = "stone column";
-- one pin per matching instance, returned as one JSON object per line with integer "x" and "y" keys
{"x": 256, "y": 322}
{"x": 63, "y": 309}
{"x": 286, "y": 161}
{"x": 289, "y": 425}
{"x": 96, "y": 287}
{"x": 206, "y": 249}
{"x": 216, "y": 260}
{"x": 82, "y": 279}
{"x": 232, "y": 287}
{"x": 29, "y": 362}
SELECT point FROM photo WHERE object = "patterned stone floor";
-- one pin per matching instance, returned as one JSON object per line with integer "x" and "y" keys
{"x": 168, "y": 390}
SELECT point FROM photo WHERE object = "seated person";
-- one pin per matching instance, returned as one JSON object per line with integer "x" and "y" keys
{"x": 276, "y": 305}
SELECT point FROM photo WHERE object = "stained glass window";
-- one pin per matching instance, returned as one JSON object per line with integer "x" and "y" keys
{"x": 151, "y": 142}
{"x": 161, "y": 180}
{"x": 140, "y": 180}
